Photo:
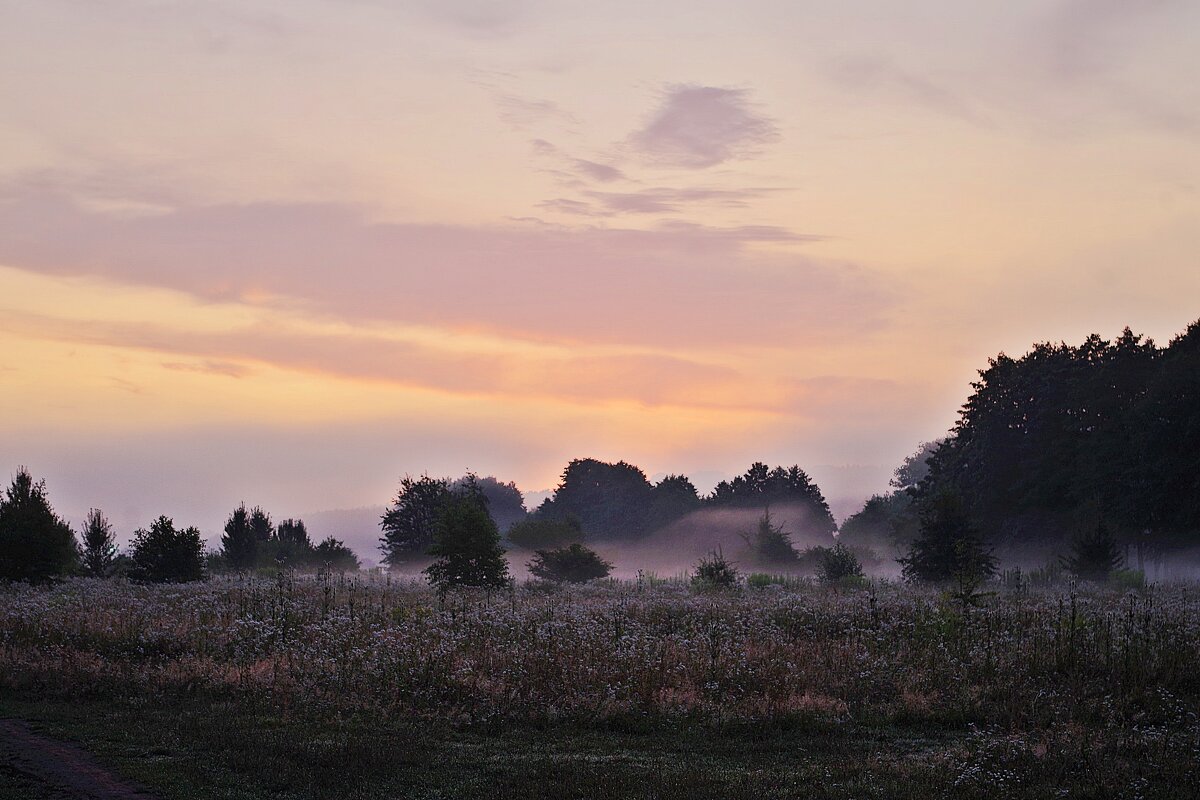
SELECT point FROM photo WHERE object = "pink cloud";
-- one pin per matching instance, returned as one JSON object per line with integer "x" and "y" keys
{"x": 702, "y": 126}
{"x": 678, "y": 285}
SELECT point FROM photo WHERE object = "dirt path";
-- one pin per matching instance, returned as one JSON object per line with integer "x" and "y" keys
{"x": 58, "y": 770}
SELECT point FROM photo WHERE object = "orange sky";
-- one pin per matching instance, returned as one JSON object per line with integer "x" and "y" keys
{"x": 286, "y": 252}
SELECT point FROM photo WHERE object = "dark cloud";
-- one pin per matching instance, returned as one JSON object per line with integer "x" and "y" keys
{"x": 702, "y": 126}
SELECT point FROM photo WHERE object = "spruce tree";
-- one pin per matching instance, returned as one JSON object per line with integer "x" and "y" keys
{"x": 1094, "y": 555}
{"x": 239, "y": 544}
{"x": 948, "y": 547}
{"x": 35, "y": 543}
{"x": 99, "y": 545}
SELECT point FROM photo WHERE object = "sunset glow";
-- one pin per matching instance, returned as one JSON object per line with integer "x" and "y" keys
{"x": 287, "y": 252}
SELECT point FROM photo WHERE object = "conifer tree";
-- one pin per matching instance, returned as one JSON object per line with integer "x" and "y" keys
{"x": 35, "y": 543}
{"x": 99, "y": 545}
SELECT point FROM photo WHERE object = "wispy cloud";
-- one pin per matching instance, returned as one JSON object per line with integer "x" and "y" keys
{"x": 605, "y": 173}
{"x": 522, "y": 112}
{"x": 665, "y": 200}
{"x": 227, "y": 369}
{"x": 876, "y": 75}
{"x": 701, "y": 126}
{"x": 675, "y": 285}
{"x": 645, "y": 378}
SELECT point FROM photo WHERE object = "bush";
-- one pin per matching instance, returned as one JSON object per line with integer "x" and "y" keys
{"x": 35, "y": 544}
{"x": 165, "y": 555}
{"x": 1128, "y": 579}
{"x": 839, "y": 563}
{"x": 762, "y": 580}
{"x": 714, "y": 571}
{"x": 572, "y": 564}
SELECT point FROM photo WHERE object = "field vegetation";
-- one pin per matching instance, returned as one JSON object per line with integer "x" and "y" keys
{"x": 1029, "y": 692}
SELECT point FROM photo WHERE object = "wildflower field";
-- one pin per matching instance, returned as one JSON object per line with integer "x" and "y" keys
{"x": 372, "y": 686}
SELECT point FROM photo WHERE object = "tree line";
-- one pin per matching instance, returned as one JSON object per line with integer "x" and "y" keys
{"x": 36, "y": 544}
{"x": 1085, "y": 452}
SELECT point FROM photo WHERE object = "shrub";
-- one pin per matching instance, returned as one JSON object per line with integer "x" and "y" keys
{"x": 714, "y": 571}
{"x": 572, "y": 564}
{"x": 762, "y": 580}
{"x": 1128, "y": 579}
{"x": 838, "y": 563}
{"x": 163, "y": 554}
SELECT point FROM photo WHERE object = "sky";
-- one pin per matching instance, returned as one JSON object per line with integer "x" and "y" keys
{"x": 287, "y": 252}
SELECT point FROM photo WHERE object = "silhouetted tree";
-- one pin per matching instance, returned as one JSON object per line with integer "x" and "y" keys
{"x": 1094, "y": 555}
{"x": 99, "y": 552}
{"x": 915, "y": 467}
{"x": 610, "y": 500}
{"x": 1042, "y": 435}
{"x": 163, "y": 554}
{"x": 261, "y": 527}
{"x": 671, "y": 498}
{"x": 505, "y": 502}
{"x": 540, "y": 534}
{"x": 572, "y": 564}
{"x": 35, "y": 544}
{"x": 290, "y": 545}
{"x": 948, "y": 547}
{"x": 293, "y": 531}
{"x": 762, "y": 486}
{"x": 333, "y": 554}
{"x": 239, "y": 544}
{"x": 1169, "y": 421}
{"x": 467, "y": 547}
{"x": 409, "y": 523}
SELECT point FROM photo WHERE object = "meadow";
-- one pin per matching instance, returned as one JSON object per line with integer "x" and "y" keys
{"x": 367, "y": 686}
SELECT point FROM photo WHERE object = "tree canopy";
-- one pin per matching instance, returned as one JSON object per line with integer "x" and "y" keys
{"x": 762, "y": 486}
{"x": 467, "y": 547}
{"x": 1043, "y": 436}
{"x": 164, "y": 554}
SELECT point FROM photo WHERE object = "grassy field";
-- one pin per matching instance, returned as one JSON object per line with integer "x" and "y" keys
{"x": 368, "y": 687}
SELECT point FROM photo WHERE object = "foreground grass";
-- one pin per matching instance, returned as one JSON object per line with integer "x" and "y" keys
{"x": 372, "y": 689}
{"x": 205, "y": 749}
